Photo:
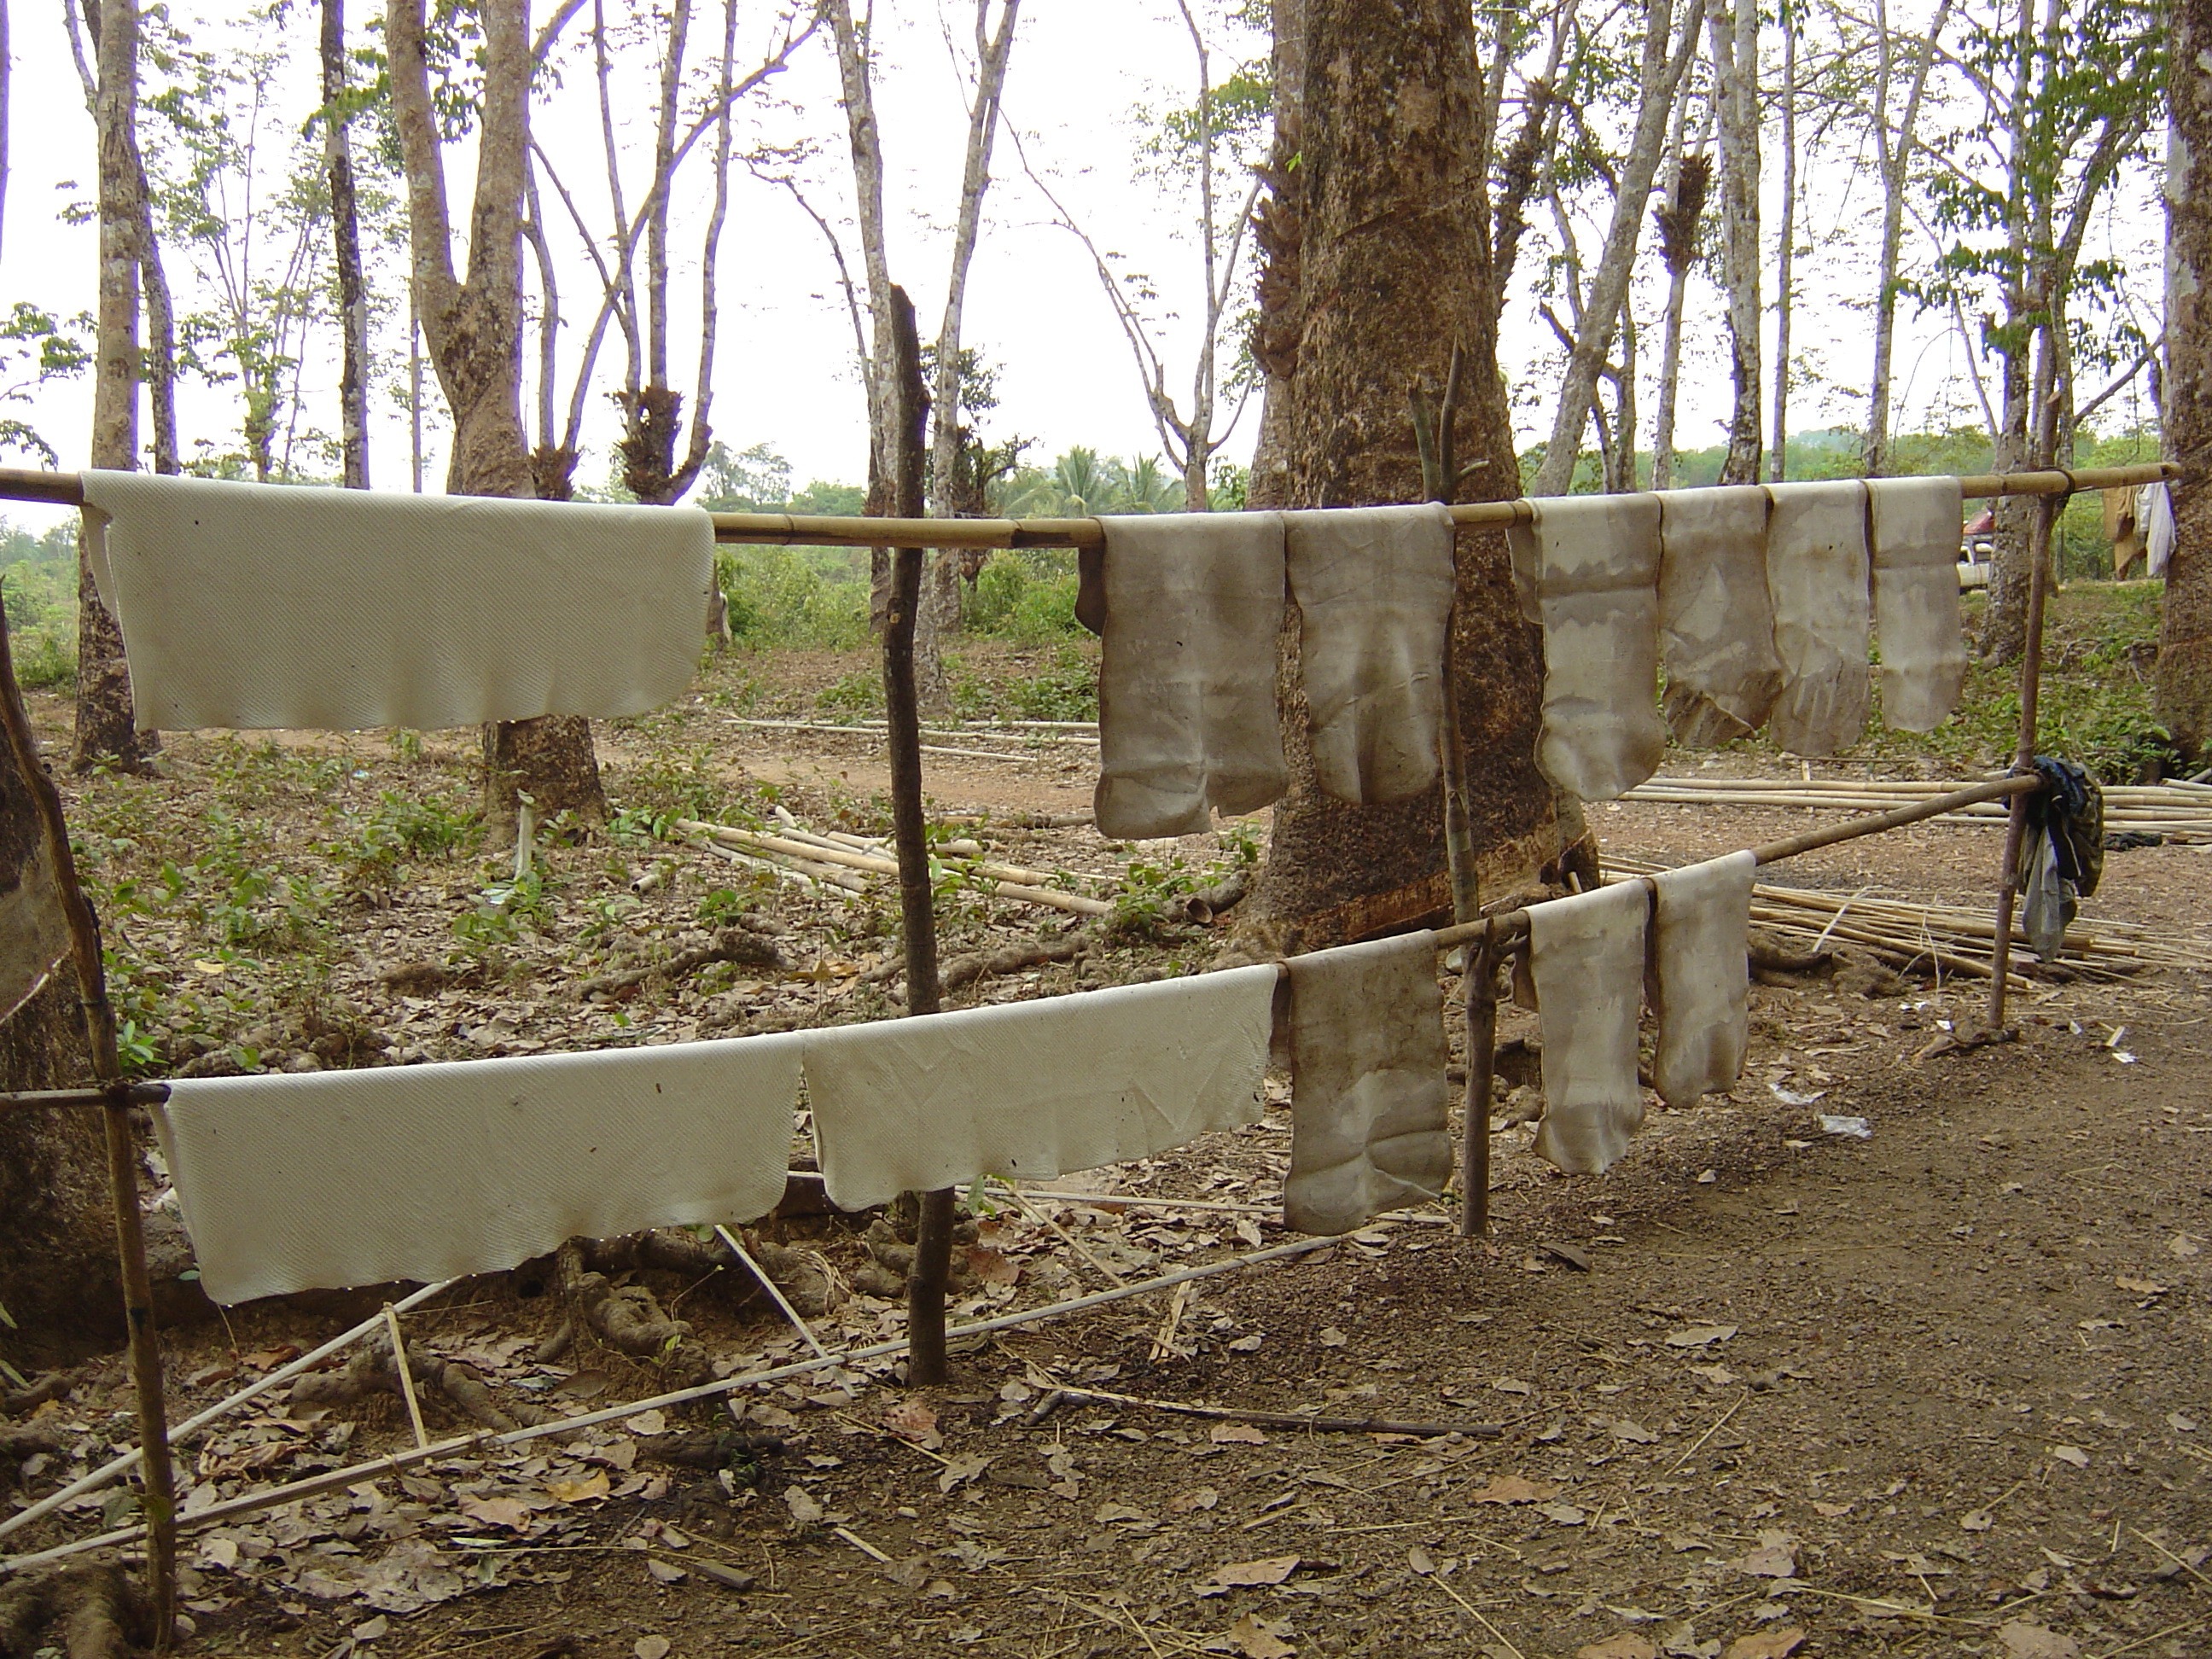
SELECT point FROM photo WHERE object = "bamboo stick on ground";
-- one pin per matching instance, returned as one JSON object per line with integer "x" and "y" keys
{"x": 780, "y": 846}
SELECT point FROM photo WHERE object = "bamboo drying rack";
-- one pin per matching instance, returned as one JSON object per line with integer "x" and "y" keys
{"x": 801, "y": 530}
{"x": 910, "y": 536}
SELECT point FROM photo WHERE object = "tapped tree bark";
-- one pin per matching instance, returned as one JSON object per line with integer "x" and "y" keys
{"x": 2184, "y": 647}
{"x": 474, "y": 330}
{"x": 1734, "y": 39}
{"x": 1393, "y": 267}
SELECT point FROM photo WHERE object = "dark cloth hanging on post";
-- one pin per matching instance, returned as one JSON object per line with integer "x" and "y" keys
{"x": 2063, "y": 855}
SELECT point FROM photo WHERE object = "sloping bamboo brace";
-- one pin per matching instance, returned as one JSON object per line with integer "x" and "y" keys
{"x": 376, "y": 1468}
{"x": 751, "y": 841}
{"x": 787, "y": 529}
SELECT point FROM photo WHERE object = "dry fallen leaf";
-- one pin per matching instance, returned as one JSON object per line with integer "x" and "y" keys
{"x": 1566, "y": 1514}
{"x": 1421, "y": 1561}
{"x": 993, "y": 1267}
{"x": 2022, "y": 1640}
{"x": 960, "y": 1471}
{"x": 911, "y": 1419}
{"x": 1635, "y": 1433}
{"x": 1512, "y": 1385}
{"x": 2073, "y": 1455}
{"x": 1766, "y": 1644}
{"x": 582, "y": 1385}
{"x": 1235, "y": 1434}
{"x": 666, "y": 1571}
{"x": 1830, "y": 1512}
{"x": 804, "y": 1510}
{"x": 1700, "y": 1336}
{"x": 1255, "y": 1639}
{"x": 1198, "y": 1497}
{"x": 651, "y": 1647}
{"x": 2185, "y": 1245}
{"x": 1774, "y": 1558}
{"x": 1626, "y": 1645}
{"x": 1331, "y": 1337}
{"x": 2140, "y": 1287}
{"x": 595, "y": 1484}
{"x": 1514, "y": 1489}
{"x": 1977, "y": 1521}
{"x": 1272, "y": 1570}
{"x": 511, "y": 1513}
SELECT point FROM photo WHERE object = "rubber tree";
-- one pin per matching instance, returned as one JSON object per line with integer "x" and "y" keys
{"x": 472, "y": 325}
{"x": 1669, "y": 45}
{"x": 106, "y": 733}
{"x": 2185, "y": 650}
{"x": 1734, "y": 44}
{"x": 1391, "y": 263}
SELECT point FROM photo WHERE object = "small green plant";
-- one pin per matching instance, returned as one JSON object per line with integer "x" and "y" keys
{"x": 723, "y": 907}
{"x": 860, "y": 692}
{"x": 503, "y": 911}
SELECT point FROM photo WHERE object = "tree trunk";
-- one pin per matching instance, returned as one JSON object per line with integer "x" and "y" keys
{"x": 2184, "y": 647}
{"x": 1735, "y": 91}
{"x": 1785, "y": 258}
{"x": 474, "y": 330}
{"x": 938, "y": 615}
{"x": 107, "y": 731}
{"x": 1680, "y": 219}
{"x": 56, "y": 1240}
{"x": 1895, "y": 150}
{"x": 345, "y": 227}
{"x": 1277, "y": 229}
{"x": 2004, "y": 625}
{"x": 1665, "y": 62}
{"x": 1395, "y": 266}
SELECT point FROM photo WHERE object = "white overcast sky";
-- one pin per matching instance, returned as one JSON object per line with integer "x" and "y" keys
{"x": 1079, "y": 72}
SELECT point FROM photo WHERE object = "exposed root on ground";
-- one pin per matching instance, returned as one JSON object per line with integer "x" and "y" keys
{"x": 746, "y": 945}
{"x": 98, "y": 1612}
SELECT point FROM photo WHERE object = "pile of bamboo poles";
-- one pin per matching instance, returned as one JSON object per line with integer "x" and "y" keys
{"x": 1037, "y": 738}
{"x": 847, "y": 862}
{"x": 1954, "y": 939}
{"x": 2167, "y": 809}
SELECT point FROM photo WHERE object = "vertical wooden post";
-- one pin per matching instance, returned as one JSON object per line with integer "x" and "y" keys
{"x": 159, "y": 1477}
{"x": 2047, "y": 509}
{"x": 933, "y": 1240}
{"x": 1481, "y": 986}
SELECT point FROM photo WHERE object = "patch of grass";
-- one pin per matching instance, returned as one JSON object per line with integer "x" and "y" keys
{"x": 1064, "y": 688}
{"x": 860, "y": 692}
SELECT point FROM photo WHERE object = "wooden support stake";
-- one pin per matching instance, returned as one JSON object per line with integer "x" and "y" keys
{"x": 406, "y": 1376}
{"x": 159, "y": 1477}
{"x": 1481, "y": 985}
{"x": 2031, "y": 686}
{"x": 933, "y": 1239}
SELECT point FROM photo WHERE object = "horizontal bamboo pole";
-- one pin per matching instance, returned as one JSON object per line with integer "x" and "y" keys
{"x": 33, "y": 1100}
{"x": 788, "y": 529}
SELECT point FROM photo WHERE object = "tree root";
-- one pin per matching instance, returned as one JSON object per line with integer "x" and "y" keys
{"x": 17, "y": 1444}
{"x": 1012, "y": 958}
{"x": 740, "y": 944}
{"x": 99, "y": 1611}
{"x": 371, "y": 1371}
{"x": 52, "y": 1386}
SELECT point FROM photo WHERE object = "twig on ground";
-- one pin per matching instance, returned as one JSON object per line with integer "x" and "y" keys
{"x": 1275, "y": 1419}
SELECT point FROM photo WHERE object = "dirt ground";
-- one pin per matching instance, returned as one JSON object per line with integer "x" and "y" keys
{"x": 1768, "y": 1388}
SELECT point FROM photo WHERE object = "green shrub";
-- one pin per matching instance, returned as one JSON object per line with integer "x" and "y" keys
{"x": 800, "y": 597}
{"x": 1028, "y": 595}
